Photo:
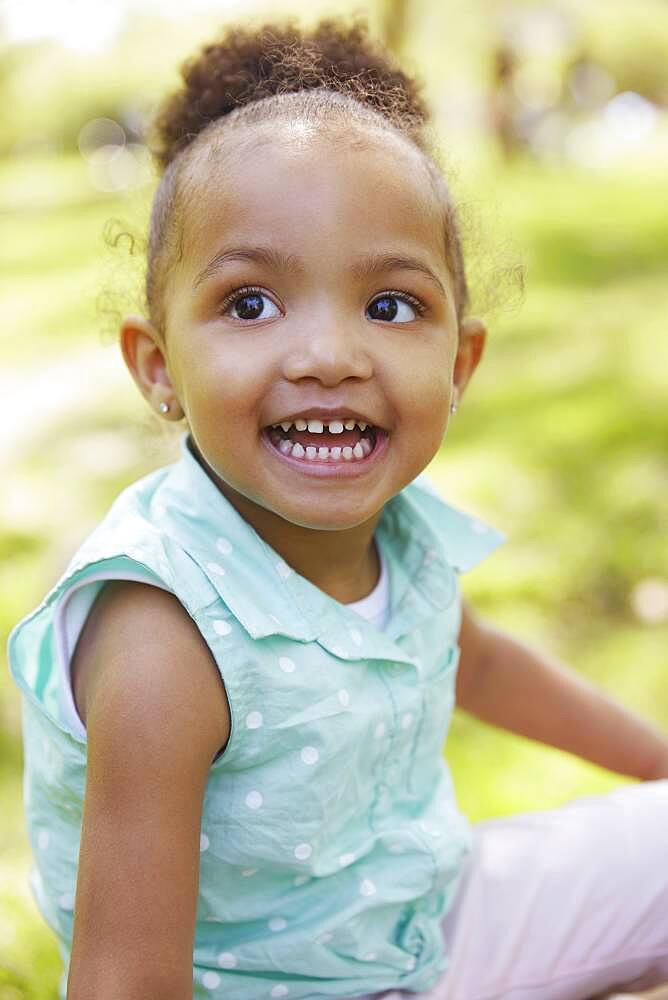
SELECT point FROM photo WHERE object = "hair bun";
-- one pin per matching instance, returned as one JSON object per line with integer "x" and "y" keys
{"x": 245, "y": 65}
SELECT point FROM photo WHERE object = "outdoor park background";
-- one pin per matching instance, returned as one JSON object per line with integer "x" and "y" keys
{"x": 553, "y": 119}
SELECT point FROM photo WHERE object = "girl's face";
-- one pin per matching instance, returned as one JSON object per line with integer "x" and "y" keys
{"x": 313, "y": 287}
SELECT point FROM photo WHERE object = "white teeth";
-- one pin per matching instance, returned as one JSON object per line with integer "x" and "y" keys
{"x": 318, "y": 426}
{"x": 363, "y": 448}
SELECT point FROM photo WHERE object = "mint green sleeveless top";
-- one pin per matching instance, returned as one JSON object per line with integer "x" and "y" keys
{"x": 331, "y": 842}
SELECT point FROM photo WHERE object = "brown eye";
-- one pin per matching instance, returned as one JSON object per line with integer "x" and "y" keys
{"x": 390, "y": 307}
{"x": 250, "y": 304}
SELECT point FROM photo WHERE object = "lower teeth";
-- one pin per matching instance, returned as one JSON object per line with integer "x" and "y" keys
{"x": 312, "y": 454}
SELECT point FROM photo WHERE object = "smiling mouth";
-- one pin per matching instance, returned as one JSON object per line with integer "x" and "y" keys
{"x": 338, "y": 442}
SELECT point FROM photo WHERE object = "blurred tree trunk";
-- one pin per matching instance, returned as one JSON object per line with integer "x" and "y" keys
{"x": 394, "y": 22}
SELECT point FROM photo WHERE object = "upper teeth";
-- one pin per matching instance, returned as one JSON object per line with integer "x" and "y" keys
{"x": 317, "y": 426}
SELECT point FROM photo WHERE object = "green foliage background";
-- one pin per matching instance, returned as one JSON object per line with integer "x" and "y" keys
{"x": 561, "y": 440}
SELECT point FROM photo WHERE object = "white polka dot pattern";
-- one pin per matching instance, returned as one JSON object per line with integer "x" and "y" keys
{"x": 327, "y": 710}
{"x": 309, "y": 755}
{"x": 216, "y": 568}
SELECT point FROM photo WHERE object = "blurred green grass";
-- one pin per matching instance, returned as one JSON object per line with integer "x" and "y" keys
{"x": 561, "y": 442}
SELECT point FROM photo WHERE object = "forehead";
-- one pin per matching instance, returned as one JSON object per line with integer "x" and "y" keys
{"x": 293, "y": 181}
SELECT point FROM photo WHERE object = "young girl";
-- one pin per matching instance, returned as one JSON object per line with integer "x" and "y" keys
{"x": 236, "y": 697}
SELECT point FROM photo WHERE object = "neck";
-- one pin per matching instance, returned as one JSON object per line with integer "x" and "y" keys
{"x": 343, "y": 564}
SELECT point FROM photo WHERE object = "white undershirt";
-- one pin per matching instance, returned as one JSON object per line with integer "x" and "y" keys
{"x": 77, "y": 602}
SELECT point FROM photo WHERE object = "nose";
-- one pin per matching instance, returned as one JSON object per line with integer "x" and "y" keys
{"x": 329, "y": 351}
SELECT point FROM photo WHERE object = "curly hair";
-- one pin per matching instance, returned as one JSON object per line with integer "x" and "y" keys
{"x": 332, "y": 74}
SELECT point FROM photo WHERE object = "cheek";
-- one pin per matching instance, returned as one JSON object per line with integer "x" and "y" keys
{"x": 429, "y": 395}
{"x": 217, "y": 380}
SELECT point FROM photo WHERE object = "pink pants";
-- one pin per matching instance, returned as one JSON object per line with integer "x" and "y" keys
{"x": 562, "y": 905}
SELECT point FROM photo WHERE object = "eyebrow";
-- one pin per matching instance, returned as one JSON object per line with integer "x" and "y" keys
{"x": 261, "y": 255}
{"x": 377, "y": 263}
{"x": 363, "y": 267}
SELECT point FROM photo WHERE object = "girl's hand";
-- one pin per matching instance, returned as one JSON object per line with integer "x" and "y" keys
{"x": 660, "y": 771}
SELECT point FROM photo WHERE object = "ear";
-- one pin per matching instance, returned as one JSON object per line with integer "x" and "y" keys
{"x": 472, "y": 337}
{"x": 144, "y": 355}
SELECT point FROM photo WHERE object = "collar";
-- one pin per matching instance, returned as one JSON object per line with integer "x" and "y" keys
{"x": 425, "y": 543}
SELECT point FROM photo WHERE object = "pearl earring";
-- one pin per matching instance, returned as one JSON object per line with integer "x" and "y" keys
{"x": 164, "y": 407}
{"x": 455, "y": 399}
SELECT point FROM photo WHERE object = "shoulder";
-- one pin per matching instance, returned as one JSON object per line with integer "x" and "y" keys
{"x": 142, "y": 666}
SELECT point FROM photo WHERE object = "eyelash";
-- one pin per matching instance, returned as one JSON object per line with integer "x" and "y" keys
{"x": 239, "y": 293}
{"x": 394, "y": 293}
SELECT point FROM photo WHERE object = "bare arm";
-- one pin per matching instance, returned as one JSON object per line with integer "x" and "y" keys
{"x": 156, "y": 715}
{"x": 507, "y": 684}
